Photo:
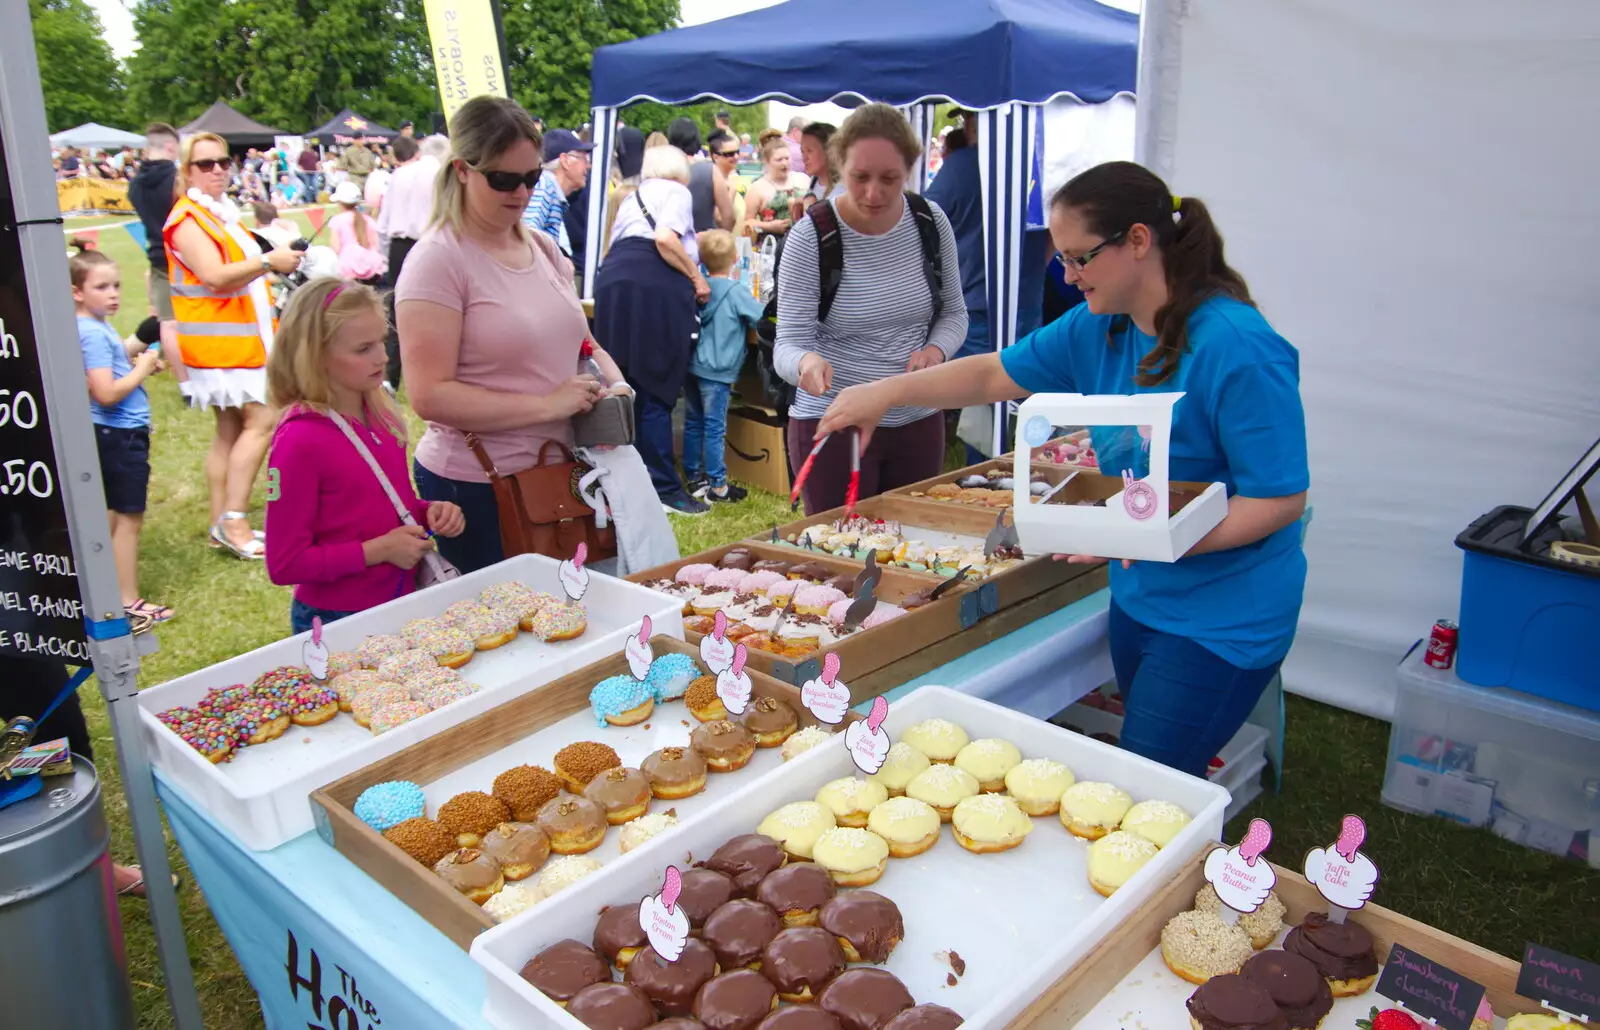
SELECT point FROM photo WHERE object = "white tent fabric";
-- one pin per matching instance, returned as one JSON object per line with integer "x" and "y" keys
{"x": 95, "y": 136}
{"x": 1408, "y": 188}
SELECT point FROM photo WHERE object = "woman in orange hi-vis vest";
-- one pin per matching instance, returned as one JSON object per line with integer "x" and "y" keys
{"x": 225, "y": 327}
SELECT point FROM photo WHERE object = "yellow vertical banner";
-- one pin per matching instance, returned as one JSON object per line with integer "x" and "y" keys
{"x": 466, "y": 51}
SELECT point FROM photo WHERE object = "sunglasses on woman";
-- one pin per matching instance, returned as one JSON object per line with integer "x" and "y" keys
{"x": 209, "y": 164}
{"x": 507, "y": 182}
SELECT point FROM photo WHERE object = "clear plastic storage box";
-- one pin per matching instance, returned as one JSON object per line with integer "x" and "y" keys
{"x": 1527, "y": 768}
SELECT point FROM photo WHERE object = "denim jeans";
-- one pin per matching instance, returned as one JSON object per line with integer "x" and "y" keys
{"x": 309, "y": 180}
{"x": 1183, "y": 702}
{"x": 300, "y": 616}
{"x": 479, "y": 546}
{"x": 705, "y": 430}
{"x": 652, "y": 418}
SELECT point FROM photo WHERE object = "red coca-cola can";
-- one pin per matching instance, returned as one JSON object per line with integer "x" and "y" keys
{"x": 1441, "y": 653}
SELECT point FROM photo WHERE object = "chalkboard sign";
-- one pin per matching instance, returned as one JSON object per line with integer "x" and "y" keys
{"x": 41, "y": 610}
{"x": 1428, "y": 989}
{"x": 1561, "y": 981}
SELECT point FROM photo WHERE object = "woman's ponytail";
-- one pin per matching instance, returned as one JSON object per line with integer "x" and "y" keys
{"x": 1114, "y": 197}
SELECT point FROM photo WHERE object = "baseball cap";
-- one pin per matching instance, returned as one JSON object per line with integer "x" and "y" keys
{"x": 563, "y": 141}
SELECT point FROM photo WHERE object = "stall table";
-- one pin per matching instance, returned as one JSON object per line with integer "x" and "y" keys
{"x": 326, "y": 947}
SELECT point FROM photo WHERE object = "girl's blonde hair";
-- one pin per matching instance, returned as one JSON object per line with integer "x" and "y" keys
{"x": 186, "y": 153}
{"x": 297, "y": 369}
{"x": 481, "y": 131}
{"x": 875, "y": 121}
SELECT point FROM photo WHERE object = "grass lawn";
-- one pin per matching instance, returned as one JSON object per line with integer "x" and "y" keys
{"x": 1468, "y": 882}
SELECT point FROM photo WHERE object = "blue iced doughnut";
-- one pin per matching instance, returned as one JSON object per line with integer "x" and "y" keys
{"x": 618, "y": 694}
{"x": 671, "y": 674}
{"x": 389, "y": 804}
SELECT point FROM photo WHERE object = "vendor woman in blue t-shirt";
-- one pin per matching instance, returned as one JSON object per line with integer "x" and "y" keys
{"x": 1194, "y": 642}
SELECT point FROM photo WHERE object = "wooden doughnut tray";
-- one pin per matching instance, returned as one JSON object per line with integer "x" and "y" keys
{"x": 526, "y": 730}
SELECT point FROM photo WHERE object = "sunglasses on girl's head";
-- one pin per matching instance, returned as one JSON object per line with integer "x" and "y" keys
{"x": 507, "y": 182}
{"x": 211, "y": 163}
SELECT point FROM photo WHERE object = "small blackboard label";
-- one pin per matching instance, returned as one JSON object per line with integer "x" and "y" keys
{"x": 1566, "y": 983}
{"x": 1430, "y": 990}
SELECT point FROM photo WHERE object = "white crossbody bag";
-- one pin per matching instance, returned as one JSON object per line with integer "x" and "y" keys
{"x": 434, "y": 568}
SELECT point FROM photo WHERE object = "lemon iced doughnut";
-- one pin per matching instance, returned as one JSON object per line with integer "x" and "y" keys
{"x": 1114, "y": 858}
{"x": 939, "y": 739}
{"x": 1092, "y": 810}
{"x": 988, "y": 760}
{"x": 1038, "y": 784}
{"x": 901, "y": 765}
{"x": 1156, "y": 821}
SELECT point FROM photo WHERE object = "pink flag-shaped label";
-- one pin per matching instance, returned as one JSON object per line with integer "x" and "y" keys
{"x": 573, "y": 576}
{"x": 733, "y": 683}
{"x": 867, "y": 741}
{"x": 827, "y": 697}
{"x": 663, "y": 922}
{"x": 636, "y": 648}
{"x": 314, "y": 655}
{"x": 1238, "y": 875}
{"x": 1343, "y": 874}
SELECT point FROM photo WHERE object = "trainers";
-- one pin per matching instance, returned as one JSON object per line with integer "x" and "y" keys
{"x": 725, "y": 493}
{"x": 697, "y": 485}
{"x": 683, "y": 504}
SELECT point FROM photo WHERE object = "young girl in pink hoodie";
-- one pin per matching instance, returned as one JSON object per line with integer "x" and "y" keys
{"x": 332, "y": 531}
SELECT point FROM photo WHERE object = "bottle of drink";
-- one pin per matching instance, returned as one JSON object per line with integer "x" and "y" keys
{"x": 587, "y": 365}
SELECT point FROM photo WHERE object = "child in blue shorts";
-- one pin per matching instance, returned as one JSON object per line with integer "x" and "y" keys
{"x": 120, "y": 408}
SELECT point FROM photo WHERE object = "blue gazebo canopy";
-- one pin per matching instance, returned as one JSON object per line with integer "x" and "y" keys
{"x": 977, "y": 53}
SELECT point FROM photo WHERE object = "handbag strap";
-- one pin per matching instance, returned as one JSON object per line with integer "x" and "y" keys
{"x": 476, "y": 446}
{"x": 377, "y": 470}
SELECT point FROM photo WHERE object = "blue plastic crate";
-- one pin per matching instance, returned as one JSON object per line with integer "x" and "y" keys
{"x": 1528, "y": 621}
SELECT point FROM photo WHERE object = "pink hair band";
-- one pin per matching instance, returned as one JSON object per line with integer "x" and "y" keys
{"x": 332, "y": 294}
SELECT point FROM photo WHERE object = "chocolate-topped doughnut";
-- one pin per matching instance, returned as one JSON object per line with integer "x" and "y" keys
{"x": 679, "y": 1023}
{"x": 867, "y": 924}
{"x": 738, "y": 558}
{"x": 739, "y": 930}
{"x": 735, "y": 1001}
{"x": 622, "y": 793}
{"x": 925, "y": 1017}
{"x": 674, "y": 772}
{"x": 1342, "y": 952}
{"x": 772, "y": 565}
{"x": 724, "y": 745}
{"x": 801, "y": 961}
{"x": 704, "y": 891}
{"x": 813, "y": 571}
{"x": 520, "y": 848}
{"x": 844, "y": 582}
{"x": 673, "y": 985}
{"x": 564, "y": 969}
{"x": 800, "y": 1017}
{"x": 618, "y": 936}
{"x": 574, "y": 825}
{"x": 1296, "y": 987}
{"x": 1230, "y": 1002}
{"x": 797, "y": 892}
{"x": 865, "y": 999}
{"x": 770, "y": 721}
{"x": 612, "y": 1006}
{"x": 748, "y": 858}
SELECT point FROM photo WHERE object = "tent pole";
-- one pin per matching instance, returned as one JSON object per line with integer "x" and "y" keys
{"x": 604, "y": 120}
{"x": 115, "y": 655}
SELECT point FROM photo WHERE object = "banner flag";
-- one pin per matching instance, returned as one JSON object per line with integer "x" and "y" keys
{"x": 466, "y": 51}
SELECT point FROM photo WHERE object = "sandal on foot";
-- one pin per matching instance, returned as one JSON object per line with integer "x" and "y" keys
{"x": 154, "y": 612}
{"x": 136, "y": 888}
{"x": 255, "y": 550}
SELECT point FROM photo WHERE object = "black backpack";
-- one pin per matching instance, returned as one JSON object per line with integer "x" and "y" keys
{"x": 830, "y": 269}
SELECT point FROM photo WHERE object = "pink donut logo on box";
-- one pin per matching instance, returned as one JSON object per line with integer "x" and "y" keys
{"x": 1138, "y": 497}
{"x": 663, "y": 922}
{"x": 1238, "y": 875}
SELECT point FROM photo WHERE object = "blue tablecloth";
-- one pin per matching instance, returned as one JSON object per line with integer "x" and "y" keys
{"x": 326, "y": 947}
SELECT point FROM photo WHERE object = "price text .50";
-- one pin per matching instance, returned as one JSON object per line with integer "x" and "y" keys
{"x": 23, "y": 476}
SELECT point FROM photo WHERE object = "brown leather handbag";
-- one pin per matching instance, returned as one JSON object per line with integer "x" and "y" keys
{"x": 541, "y": 510}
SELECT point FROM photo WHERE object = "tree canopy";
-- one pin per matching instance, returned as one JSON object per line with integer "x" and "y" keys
{"x": 82, "y": 78}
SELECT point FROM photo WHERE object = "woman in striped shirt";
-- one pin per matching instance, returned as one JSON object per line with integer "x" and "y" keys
{"x": 882, "y": 320}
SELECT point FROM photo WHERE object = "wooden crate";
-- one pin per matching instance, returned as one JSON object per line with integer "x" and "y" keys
{"x": 863, "y": 652}
{"x": 1070, "y": 998}
{"x": 444, "y": 752}
{"x": 995, "y": 593}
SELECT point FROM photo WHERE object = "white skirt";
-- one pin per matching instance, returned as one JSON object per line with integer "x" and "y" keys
{"x": 225, "y": 387}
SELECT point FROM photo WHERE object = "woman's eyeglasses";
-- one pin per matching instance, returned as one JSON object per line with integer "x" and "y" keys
{"x": 507, "y": 182}
{"x": 725, "y": 153}
{"x": 1078, "y": 263}
{"x": 210, "y": 164}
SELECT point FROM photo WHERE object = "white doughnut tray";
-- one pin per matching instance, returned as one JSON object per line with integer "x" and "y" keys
{"x": 261, "y": 794}
{"x": 1019, "y": 919}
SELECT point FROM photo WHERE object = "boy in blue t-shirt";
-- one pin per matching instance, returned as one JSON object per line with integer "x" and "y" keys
{"x": 724, "y": 324}
{"x": 115, "y": 372}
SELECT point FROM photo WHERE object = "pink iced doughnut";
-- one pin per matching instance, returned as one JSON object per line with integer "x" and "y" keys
{"x": 730, "y": 578}
{"x": 760, "y": 582}
{"x": 695, "y": 574}
{"x": 837, "y": 610}
{"x": 816, "y": 596}
{"x": 779, "y": 593}
{"x": 882, "y": 614}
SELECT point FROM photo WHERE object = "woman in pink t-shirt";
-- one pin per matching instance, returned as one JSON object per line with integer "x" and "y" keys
{"x": 489, "y": 325}
{"x": 355, "y": 239}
